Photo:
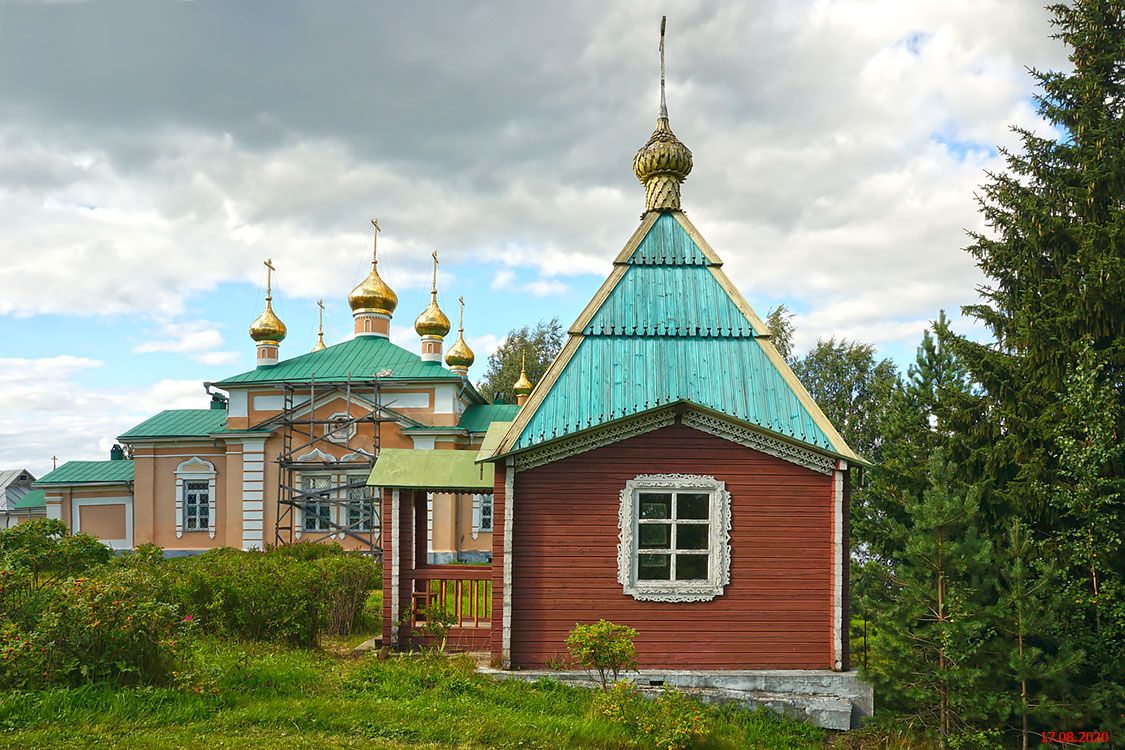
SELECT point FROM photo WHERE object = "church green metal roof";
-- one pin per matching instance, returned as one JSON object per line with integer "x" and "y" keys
{"x": 89, "y": 472}
{"x": 180, "y": 423}
{"x": 669, "y": 327}
{"x": 33, "y": 499}
{"x": 363, "y": 358}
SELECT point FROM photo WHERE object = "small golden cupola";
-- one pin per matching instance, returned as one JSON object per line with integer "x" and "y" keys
{"x": 663, "y": 163}
{"x": 320, "y": 346}
{"x": 460, "y": 357}
{"x": 268, "y": 330}
{"x": 522, "y": 387}
{"x": 372, "y": 301}
{"x": 432, "y": 325}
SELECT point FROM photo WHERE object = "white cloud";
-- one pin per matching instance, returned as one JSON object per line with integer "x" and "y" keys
{"x": 45, "y": 412}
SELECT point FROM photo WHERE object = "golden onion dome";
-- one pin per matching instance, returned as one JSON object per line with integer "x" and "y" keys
{"x": 432, "y": 321}
{"x": 268, "y": 327}
{"x": 373, "y": 293}
{"x": 522, "y": 387}
{"x": 460, "y": 355}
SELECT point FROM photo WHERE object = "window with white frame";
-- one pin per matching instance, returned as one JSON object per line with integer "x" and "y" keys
{"x": 197, "y": 504}
{"x": 316, "y": 509}
{"x": 482, "y": 514}
{"x": 195, "y": 496}
{"x": 675, "y": 538}
{"x": 486, "y": 512}
{"x": 361, "y": 505}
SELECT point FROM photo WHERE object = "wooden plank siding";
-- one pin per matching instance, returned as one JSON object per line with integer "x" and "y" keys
{"x": 776, "y": 611}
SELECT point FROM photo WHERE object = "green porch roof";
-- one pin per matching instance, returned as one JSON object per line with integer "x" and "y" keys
{"x": 477, "y": 418}
{"x": 668, "y": 327}
{"x": 363, "y": 358}
{"x": 30, "y": 500}
{"x": 180, "y": 423}
{"x": 89, "y": 472}
{"x": 443, "y": 471}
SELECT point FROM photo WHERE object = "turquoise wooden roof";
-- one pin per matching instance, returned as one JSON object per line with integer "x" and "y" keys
{"x": 362, "y": 358}
{"x": 86, "y": 472}
{"x": 670, "y": 328}
{"x": 478, "y": 417}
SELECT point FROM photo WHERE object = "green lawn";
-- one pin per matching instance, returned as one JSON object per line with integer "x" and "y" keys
{"x": 259, "y": 696}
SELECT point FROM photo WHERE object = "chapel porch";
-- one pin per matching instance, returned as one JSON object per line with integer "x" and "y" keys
{"x": 418, "y": 595}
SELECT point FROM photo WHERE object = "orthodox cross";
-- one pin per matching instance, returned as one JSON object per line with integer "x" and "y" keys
{"x": 461, "y": 322}
{"x": 269, "y": 281}
{"x": 375, "y": 243}
{"x": 54, "y": 462}
{"x": 320, "y": 327}
{"x": 433, "y": 289}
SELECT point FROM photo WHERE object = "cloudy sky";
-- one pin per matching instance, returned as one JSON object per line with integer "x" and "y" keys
{"x": 152, "y": 154}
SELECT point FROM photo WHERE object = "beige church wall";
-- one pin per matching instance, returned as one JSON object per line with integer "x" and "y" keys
{"x": 229, "y": 532}
{"x": 465, "y": 541}
{"x": 103, "y": 521}
{"x": 160, "y": 495}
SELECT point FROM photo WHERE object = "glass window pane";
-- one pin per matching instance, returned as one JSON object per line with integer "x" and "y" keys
{"x": 656, "y": 505}
{"x": 691, "y": 536}
{"x": 695, "y": 505}
{"x": 655, "y": 536}
{"x": 691, "y": 567}
{"x": 654, "y": 567}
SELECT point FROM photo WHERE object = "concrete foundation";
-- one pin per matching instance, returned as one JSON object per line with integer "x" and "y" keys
{"x": 833, "y": 700}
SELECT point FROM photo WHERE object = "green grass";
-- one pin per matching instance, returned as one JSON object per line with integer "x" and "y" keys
{"x": 240, "y": 695}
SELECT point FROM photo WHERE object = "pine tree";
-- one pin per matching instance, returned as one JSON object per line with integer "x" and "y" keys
{"x": 1030, "y": 664}
{"x": 934, "y": 627}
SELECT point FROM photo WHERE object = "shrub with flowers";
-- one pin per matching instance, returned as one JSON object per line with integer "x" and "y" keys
{"x": 101, "y": 629}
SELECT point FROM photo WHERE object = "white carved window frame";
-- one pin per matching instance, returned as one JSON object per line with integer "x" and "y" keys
{"x": 370, "y": 496}
{"x": 195, "y": 469}
{"x": 718, "y": 548}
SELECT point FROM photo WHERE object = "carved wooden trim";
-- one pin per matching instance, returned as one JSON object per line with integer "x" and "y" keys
{"x": 759, "y": 441}
{"x": 719, "y": 549}
{"x": 588, "y": 440}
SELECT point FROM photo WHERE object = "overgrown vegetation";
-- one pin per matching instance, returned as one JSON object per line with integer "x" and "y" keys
{"x": 258, "y": 695}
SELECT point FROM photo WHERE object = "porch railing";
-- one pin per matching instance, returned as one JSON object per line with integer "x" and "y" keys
{"x": 463, "y": 591}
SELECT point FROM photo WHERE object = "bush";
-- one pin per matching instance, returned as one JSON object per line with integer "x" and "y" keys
{"x": 672, "y": 721}
{"x": 603, "y": 647}
{"x": 49, "y": 552}
{"x": 273, "y": 596}
{"x": 105, "y": 629}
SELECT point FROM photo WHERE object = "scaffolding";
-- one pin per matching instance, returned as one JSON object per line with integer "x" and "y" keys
{"x": 310, "y": 509}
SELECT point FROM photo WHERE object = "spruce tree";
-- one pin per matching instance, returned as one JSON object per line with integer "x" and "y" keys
{"x": 1054, "y": 260}
{"x": 1040, "y": 435}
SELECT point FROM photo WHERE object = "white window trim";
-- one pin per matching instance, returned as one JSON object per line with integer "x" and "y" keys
{"x": 373, "y": 499}
{"x": 718, "y": 544}
{"x": 195, "y": 469}
{"x": 478, "y": 514}
{"x": 333, "y": 507}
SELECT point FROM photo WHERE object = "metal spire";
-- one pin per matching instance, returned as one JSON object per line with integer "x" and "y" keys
{"x": 663, "y": 100}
